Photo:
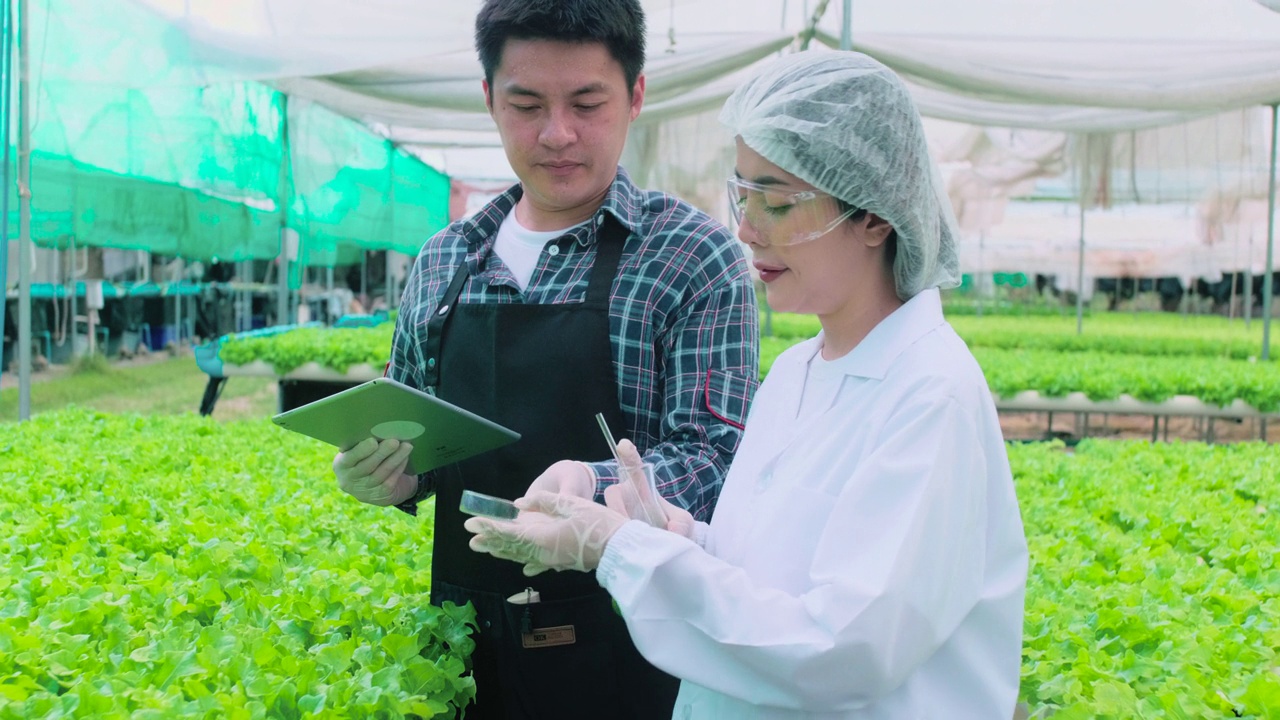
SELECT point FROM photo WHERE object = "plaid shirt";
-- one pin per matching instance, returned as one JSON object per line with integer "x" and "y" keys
{"x": 682, "y": 317}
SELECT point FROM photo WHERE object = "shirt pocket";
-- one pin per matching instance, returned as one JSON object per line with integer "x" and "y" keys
{"x": 727, "y": 396}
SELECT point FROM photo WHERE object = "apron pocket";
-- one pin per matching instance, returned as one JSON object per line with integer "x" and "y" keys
{"x": 566, "y": 661}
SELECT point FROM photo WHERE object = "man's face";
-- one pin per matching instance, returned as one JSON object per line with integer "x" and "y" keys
{"x": 562, "y": 110}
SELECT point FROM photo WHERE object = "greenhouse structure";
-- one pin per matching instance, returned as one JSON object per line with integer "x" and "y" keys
{"x": 211, "y": 209}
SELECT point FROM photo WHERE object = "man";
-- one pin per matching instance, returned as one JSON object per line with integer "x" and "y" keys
{"x": 573, "y": 293}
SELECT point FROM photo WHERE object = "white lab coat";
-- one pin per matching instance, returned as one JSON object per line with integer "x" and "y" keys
{"x": 868, "y": 562}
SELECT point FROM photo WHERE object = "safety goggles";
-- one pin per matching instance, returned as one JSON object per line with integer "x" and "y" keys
{"x": 781, "y": 216}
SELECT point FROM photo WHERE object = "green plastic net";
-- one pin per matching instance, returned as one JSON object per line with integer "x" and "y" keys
{"x": 195, "y": 171}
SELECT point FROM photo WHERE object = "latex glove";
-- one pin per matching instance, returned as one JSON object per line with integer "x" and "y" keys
{"x": 552, "y": 532}
{"x": 635, "y": 498}
{"x": 373, "y": 472}
{"x": 634, "y": 495}
{"x": 568, "y": 477}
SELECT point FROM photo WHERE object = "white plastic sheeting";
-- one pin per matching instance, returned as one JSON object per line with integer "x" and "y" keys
{"x": 1093, "y": 64}
{"x": 448, "y": 98}
{"x": 1102, "y": 73}
{"x": 1135, "y": 241}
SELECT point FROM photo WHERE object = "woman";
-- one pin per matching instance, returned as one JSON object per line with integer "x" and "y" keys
{"x": 866, "y": 558}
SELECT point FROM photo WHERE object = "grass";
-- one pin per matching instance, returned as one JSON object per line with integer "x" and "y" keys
{"x": 155, "y": 386}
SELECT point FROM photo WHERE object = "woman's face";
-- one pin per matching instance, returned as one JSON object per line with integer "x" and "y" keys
{"x": 833, "y": 274}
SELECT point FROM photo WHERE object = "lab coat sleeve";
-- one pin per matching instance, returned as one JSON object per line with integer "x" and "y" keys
{"x": 896, "y": 568}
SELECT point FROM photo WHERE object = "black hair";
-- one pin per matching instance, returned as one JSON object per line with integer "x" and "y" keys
{"x": 890, "y": 243}
{"x": 617, "y": 24}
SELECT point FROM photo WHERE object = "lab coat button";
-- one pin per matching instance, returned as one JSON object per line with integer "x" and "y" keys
{"x": 687, "y": 712}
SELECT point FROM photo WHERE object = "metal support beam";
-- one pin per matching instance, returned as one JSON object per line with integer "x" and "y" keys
{"x": 24, "y": 216}
{"x": 846, "y": 26}
{"x": 1268, "y": 291}
{"x": 1080, "y": 278}
{"x": 6, "y": 123}
{"x": 806, "y": 35}
{"x": 282, "y": 198}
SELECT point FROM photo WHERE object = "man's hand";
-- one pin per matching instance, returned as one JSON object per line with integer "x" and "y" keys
{"x": 373, "y": 472}
{"x": 634, "y": 497}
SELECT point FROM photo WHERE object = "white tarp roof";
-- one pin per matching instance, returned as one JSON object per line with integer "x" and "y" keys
{"x": 1147, "y": 60}
{"x": 1107, "y": 68}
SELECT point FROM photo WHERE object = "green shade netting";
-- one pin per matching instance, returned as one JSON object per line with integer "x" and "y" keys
{"x": 353, "y": 191}
{"x": 196, "y": 171}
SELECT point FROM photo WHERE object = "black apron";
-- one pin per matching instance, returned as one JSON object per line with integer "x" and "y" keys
{"x": 543, "y": 371}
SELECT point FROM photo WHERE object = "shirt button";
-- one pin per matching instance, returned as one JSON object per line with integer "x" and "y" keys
{"x": 553, "y": 250}
{"x": 599, "y": 219}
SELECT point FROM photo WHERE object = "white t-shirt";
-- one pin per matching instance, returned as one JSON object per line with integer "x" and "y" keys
{"x": 822, "y": 382}
{"x": 520, "y": 247}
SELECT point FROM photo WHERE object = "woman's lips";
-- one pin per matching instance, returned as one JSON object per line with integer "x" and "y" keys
{"x": 769, "y": 273}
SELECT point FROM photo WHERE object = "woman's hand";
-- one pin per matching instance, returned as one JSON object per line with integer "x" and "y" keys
{"x": 553, "y": 532}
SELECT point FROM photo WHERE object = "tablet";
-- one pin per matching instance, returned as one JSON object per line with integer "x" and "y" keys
{"x": 440, "y": 433}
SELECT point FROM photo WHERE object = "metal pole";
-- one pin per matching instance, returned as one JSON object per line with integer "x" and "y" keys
{"x": 365, "y": 303}
{"x": 806, "y": 35}
{"x": 282, "y": 197}
{"x": 1080, "y": 278}
{"x": 24, "y": 218}
{"x": 1267, "y": 289}
{"x": 1231, "y": 303}
{"x": 176, "y": 287}
{"x": 1248, "y": 288}
{"x": 6, "y": 57}
{"x": 846, "y": 30}
{"x": 328, "y": 286}
{"x": 389, "y": 282}
{"x": 978, "y": 283}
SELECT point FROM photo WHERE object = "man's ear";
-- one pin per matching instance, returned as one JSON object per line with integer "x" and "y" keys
{"x": 637, "y": 97}
{"x": 488, "y": 96}
{"x": 875, "y": 230}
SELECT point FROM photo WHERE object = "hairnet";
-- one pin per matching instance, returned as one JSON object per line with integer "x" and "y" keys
{"x": 846, "y": 124}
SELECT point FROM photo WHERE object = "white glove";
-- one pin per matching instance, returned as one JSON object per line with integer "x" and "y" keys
{"x": 552, "y": 532}
{"x": 373, "y": 472}
{"x": 634, "y": 497}
{"x": 567, "y": 477}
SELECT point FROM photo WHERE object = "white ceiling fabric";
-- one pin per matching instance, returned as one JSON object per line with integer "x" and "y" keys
{"x": 1088, "y": 80}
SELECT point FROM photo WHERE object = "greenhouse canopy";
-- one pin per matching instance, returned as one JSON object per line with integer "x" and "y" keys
{"x": 1100, "y": 73}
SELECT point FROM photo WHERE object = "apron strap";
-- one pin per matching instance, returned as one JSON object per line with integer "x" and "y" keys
{"x": 611, "y": 238}
{"x": 435, "y": 326}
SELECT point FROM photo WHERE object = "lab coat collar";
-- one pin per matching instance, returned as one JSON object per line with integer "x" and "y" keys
{"x": 877, "y": 352}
